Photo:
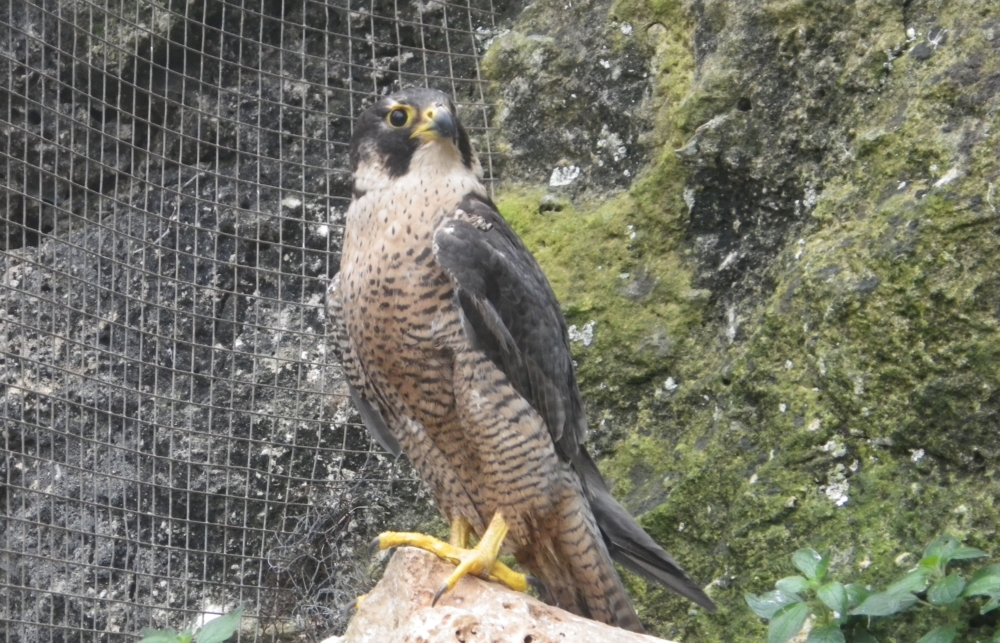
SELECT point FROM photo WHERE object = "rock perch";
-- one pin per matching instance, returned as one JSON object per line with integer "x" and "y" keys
{"x": 399, "y": 610}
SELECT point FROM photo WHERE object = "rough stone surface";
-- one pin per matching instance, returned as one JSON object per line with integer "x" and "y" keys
{"x": 794, "y": 301}
{"x": 476, "y": 611}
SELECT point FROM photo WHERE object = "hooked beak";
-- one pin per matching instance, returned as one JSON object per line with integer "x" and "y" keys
{"x": 436, "y": 123}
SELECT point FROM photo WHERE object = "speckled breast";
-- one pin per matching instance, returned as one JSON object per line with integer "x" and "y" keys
{"x": 398, "y": 304}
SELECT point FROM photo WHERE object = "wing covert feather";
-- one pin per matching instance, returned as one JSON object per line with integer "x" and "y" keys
{"x": 512, "y": 315}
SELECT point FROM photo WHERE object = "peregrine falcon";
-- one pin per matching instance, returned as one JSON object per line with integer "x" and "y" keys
{"x": 457, "y": 354}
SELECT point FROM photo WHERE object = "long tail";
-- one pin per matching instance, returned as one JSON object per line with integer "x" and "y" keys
{"x": 628, "y": 543}
{"x": 572, "y": 555}
{"x": 572, "y": 561}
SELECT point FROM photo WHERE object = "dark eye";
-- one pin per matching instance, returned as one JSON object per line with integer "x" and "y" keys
{"x": 398, "y": 117}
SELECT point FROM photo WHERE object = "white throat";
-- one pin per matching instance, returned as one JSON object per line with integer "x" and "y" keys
{"x": 435, "y": 161}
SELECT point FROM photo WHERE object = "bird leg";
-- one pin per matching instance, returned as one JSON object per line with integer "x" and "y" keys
{"x": 480, "y": 561}
{"x": 460, "y": 531}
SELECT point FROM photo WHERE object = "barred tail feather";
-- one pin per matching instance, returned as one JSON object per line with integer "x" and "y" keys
{"x": 577, "y": 571}
{"x": 629, "y": 544}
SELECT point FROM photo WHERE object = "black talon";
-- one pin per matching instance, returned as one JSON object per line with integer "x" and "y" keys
{"x": 438, "y": 594}
{"x": 374, "y": 546}
{"x": 345, "y": 611}
{"x": 538, "y": 587}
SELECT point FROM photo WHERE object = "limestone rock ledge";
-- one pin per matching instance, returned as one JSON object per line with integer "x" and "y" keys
{"x": 399, "y": 610}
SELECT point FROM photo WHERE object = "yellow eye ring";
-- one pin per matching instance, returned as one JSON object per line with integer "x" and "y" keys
{"x": 399, "y": 116}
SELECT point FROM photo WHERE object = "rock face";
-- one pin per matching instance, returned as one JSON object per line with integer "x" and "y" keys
{"x": 794, "y": 301}
{"x": 399, "y": 610}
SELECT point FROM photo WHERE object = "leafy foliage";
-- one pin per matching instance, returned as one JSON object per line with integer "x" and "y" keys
{"x": 216, "y": 630}
{"x": 842, "y": 613}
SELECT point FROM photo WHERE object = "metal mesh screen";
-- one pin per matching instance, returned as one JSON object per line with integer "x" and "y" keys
{"x": 174, "y": 181}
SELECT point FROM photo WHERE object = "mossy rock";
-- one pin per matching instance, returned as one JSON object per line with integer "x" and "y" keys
{"x": 794, "y": 292}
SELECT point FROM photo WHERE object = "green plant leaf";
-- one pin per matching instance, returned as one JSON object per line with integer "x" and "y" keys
{"x": 915, "y": 581}
{"x": 793, "y": 585}
{"x": 149, "y": 635}
{"x": 787, "y": 622}
{"x": 943, "y": 634}
{"x": 827, "y": 634}
{"x": 861, "y": 636}
{"x": 946, "y": 590}
{"x": 767, "y": 604}
{"x": 834, "y": 596}
{"x": 884, "y": 604}
{"x": 988, "y": 570}
{"x": 945, "y": 549}
{"x": 856, "y": 594}
{"x": 941, "y": 547}
{"x": 985, "y": 582}
{"x": 993, "y": 603}
{"x": 811, "y": 563}
{"x": 220, "y": 628}
{"x": 983, "y": 586}
{"x": 967, "y": 553}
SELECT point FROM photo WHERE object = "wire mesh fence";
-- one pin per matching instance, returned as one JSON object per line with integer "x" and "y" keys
{"x": 174, "y": 179}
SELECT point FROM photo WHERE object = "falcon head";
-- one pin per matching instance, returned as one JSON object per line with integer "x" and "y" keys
{"x": 408, "y": 127}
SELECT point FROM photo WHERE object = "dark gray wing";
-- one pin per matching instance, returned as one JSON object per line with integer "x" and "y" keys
{"x": 512, "y": 315}
{"x": 356, "y": 381}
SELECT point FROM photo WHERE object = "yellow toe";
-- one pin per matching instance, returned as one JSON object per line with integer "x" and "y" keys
{"x": 480, "y": 561}
{"x": 353, "y": 605}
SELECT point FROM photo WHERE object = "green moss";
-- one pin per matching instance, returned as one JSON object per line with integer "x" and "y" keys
{"x": 854, "y": 407}
{"x": 512, "y": 55}
{"x": 665, "y": 30}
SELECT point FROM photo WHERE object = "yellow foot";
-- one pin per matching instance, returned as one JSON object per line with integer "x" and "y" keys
{"x": 480, "y": 561}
